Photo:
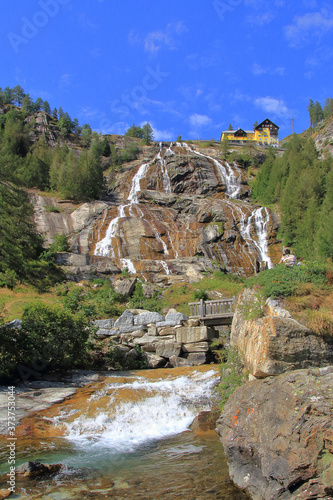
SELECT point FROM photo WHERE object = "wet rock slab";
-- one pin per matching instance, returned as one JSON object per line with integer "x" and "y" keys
{"x": 40, "y": 394}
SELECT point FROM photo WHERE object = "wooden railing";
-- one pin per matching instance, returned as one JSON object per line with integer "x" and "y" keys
{"x": 212, "y": 308}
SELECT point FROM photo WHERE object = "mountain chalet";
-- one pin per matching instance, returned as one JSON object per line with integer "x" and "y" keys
{"x": 264, "y": 133}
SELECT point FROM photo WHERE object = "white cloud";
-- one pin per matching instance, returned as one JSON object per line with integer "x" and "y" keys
{"x": 261, "y": 19}
{"x": 309, "y": 26}
{"x": 133, "y": 37}
{"x": 163, "y": 135}
{"x": 157, "y": 39}
{"x": 277, "y": 107}
{"x": 258, "y": 70}
{"x": 197, "y": 120}
{"x": 65, "y": 80}
{"x": 197, "y": 61}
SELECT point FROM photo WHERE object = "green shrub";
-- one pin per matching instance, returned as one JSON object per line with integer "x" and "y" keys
{"x": 8, "y": 279}
{"x": 200, "y": 295}
{"x": 119, "y": 361}
{"x": 52, "y": 209}
{"x": 283, "y": 281}
{"x": 138, "y": 299}
{"x": 50, "y": 338}
{"x": 232, "y": 374}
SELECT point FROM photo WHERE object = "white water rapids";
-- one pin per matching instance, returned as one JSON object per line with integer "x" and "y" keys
{"x": 156, "y": 409}
{"x": 127, "y": 436}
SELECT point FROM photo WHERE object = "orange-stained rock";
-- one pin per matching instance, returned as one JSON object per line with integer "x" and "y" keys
{"x": 275, "y": 343}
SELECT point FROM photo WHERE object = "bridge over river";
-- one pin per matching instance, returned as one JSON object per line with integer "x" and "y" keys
{"x": 213, "y": 312}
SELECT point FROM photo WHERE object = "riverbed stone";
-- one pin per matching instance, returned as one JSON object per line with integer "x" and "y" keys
{"x": 37, "y": 469}
{"x": 277, "y": 435}
{"x": 190, "y": 334}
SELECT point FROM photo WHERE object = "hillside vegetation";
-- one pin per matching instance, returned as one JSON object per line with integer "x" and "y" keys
{"x": 300, "y": 184}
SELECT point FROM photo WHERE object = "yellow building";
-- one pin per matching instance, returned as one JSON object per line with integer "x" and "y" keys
{"x": 264, "y": 133}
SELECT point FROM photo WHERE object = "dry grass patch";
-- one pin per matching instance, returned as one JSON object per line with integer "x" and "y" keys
{"x": 13, "y": 302}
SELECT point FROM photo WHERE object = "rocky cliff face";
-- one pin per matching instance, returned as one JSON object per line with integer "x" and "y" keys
{"x": 278, "y": 437}
{"x": 179, "y": 212}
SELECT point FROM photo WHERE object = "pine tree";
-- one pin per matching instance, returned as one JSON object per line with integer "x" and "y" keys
{"x": 46, "y": 107}
{"x": 148, "y": 134}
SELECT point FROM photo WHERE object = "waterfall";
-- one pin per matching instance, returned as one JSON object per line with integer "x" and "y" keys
{"x": 104, "y": 247}
{"x": 231, "y": 178}
{"x": 166, "y": 178}
{"x": 261, "y": 222}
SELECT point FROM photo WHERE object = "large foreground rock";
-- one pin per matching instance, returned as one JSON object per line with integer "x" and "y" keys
{"x": 275, "y": 343}
{"x": 277, "y": 435}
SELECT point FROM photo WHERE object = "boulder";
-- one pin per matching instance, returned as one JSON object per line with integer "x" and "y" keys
{"x": 205, "y": 422}
{"x": 131, "y": 356}
{"x": 155, "y": 361}
{"x": 125, "y": 287}
{"x": 276, "y": 343}
{"x": 152, "y": 330}
{"x": 176, "y": 361}
{"x": 36, "y": 469}
{"x": 103, "y": 332}
{"x": 125, "y": 320}
{"x": 277, "y": 435}
{"x": 147, "y": 318}
{"x": 176, "y": 317}
{"x": 197, "y": 358}
{"x": 190, "y": 334}
{"x": 127, "y": 338}
{"x": 196, "y": 347}
{"x": 16, "y": 323}
{"x": 131, "y": 329}
{"x": 168, "y": 349}
{"x": 104, "y": 323}
{"x": 166, "y": 330}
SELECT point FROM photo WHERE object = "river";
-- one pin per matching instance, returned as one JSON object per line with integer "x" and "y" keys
{"x": 128, "y": 436}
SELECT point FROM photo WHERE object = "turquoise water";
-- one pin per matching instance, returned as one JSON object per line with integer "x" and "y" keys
{"x": 129, "y": 437}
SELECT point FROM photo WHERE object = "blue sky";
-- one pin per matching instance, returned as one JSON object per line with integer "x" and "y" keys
{"x": 188, "y": 67}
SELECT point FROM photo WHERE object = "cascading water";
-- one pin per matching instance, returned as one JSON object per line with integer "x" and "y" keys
{"x": 252, "y": 224}
{"x": 128, "y": 436}
{"x": 232, "y": 180}
{"x": 156, "y": 410}
{"x": 105, "y": 246}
